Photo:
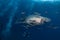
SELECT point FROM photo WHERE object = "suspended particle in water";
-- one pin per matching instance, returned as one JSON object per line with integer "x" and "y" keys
{"x": 53, "y": 27}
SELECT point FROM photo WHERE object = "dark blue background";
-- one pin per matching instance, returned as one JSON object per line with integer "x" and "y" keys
{"x": 12, "y": 10}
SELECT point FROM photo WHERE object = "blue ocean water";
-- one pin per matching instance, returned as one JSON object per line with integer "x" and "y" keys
{"x": 11, "y": 11}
